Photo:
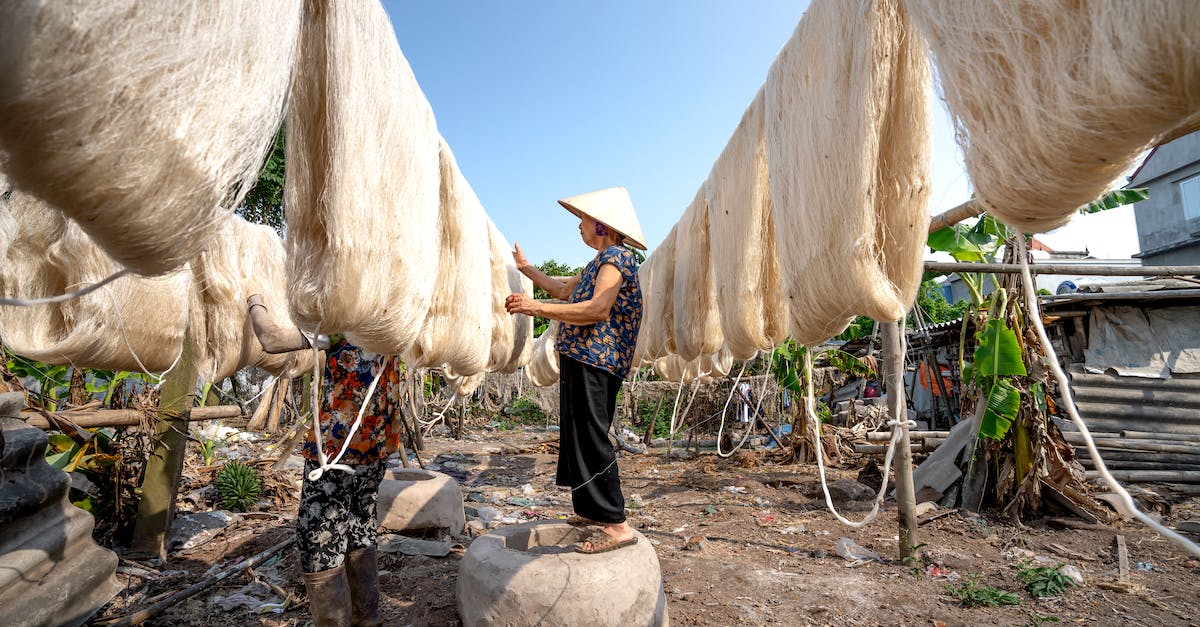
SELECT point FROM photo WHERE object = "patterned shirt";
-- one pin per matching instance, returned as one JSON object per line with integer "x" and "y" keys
{"x": 349, "y": 371}
{"x": 608, "y": 344}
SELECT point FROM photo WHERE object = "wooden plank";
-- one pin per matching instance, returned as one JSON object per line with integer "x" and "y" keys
{"x": 160, "y": 482}
{"x": 1122, "y": 558}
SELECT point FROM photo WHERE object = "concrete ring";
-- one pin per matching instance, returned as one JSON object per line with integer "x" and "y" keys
{"x": 529, "y": 574}
{"x": 414, "y": 499}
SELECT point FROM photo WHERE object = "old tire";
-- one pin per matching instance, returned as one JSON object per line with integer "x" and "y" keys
{"x": 414, "y": 499}
{"x": 529, "y": 574}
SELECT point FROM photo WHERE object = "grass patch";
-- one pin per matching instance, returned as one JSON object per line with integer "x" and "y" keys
{"x": 1042, "y": 581}
{"x": 971, "y": 593}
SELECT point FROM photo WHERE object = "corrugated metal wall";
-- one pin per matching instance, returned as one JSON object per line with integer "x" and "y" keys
{"x": 1112, "y": 403}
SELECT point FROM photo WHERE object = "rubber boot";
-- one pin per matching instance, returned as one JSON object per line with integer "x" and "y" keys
{"x": 362, "y": 570}
{"x": 329, "y": 597}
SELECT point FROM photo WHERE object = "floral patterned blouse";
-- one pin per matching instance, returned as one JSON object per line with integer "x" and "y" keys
{"x": 349, "y": 371}
{"x": 608, "y": 344}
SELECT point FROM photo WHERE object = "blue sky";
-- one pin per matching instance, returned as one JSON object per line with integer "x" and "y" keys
{"x": 541, "y": 100}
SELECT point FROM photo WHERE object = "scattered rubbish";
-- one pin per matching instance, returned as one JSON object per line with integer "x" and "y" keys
{"x": 761, "y": 502}
{"x": 790, "y": 529}
{"x": 192, "y": 530}
{"x": 395, "y": 543}
{"x": 779, "y": 433}
{"x": 1146, "y": 567}
{"x": 520, "y": 501}
{"x": 709, "y": 511}
{"x": 527, "y": 489}
{"x": 939, "y": 572}
{"x": 680, "y": 528}
{"x": 733, "y": 489}
{"x": 924, "y": 508}
{"x": 851, "y": 551}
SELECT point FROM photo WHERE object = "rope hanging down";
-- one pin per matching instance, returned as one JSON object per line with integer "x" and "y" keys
{"x": 810, "y": 411}
{"x": 323, "y": 460}
{"x": 1064, "y": 390}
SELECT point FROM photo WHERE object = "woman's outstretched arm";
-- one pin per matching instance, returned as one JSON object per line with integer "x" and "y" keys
{"x": 557, "y": 288}
{"x": 590, "y": 311}
{"x": 273, "y": 337}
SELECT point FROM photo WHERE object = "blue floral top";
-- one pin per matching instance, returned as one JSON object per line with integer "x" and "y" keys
{"x": 609, "y": 344}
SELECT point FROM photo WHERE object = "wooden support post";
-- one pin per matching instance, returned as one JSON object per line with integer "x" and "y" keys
{"x": 161, "y": 480}
{"x": 906, "y": 506}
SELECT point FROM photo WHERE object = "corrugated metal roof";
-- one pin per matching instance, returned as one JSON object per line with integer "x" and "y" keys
{"x": 1112, "y": 403}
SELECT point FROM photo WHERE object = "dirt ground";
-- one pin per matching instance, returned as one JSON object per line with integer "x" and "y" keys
{"x": 741, "y": 541}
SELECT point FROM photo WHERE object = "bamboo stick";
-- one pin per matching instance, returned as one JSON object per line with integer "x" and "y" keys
{"x": 1063, "y": 268}
{"x": 884, "y": 436}
{"x": 1149, "y": 476}
{"x": 128, "y": 417}
{"x": 1173, "y": 446}
{"x": 1148, "y": 435}
{"x": 1124, "y": 464}
{"x": 1110, "y": 454}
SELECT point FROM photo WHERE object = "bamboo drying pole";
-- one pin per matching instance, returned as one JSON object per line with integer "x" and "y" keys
{"x": 906, "y": 506}
{"x": 1088, "y": 269}
{"x": 127, "y": 417}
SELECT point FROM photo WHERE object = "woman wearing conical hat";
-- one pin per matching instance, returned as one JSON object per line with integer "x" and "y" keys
{"x": 598, "y": 329}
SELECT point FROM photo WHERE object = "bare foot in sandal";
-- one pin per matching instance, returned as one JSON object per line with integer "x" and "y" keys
{"x": 613, "y": 536}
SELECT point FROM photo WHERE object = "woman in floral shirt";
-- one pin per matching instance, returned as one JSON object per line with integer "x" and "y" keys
{"x": 336, "y": 525}
{"x": 596, "y": 336}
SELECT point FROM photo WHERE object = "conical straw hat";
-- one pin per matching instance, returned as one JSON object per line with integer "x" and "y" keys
{"x": 612, "y": 207}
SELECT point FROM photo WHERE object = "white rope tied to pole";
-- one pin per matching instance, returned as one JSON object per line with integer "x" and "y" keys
{"x": 1064, "y": 390}
{"x": 810, "y": 409}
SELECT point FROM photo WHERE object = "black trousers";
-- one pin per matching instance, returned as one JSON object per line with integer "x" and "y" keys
{"x": 586, "y": 461}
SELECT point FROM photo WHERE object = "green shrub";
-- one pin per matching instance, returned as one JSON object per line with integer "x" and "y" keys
{"x": 238, "y": 486}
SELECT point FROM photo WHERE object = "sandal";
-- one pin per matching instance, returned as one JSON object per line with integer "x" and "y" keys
{"x": 580, "y": 521}
{"x": 602, "y": 543}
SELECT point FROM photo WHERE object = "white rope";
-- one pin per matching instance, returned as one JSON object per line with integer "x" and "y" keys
{"x": 725, "y": 410}
{"x": 439, "y": 416}
{"x": 1064, "y": 389}
{"x": 323, "y": 460}
{"x": 811, "y": 411}
{"x": 29, "y": 302}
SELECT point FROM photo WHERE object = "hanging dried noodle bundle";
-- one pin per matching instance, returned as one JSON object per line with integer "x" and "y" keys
{"x": 362, "y": 198}
{"x": 512, "y": 336}
{"x": 1054, "y": 99}
{"x": 697, "y": 322}
{"x": 542, "y": 369}
{"x": 131, "y": 319}
{"x": 657, "y": 334}
{"x": 146, "y": 122}
{"x": 646, "y": 275}
{"x": 458, "y": 328}
{"x": 242, "y": 259}
{"x": 745, "y": 261}
{"x": 847, "y": 126}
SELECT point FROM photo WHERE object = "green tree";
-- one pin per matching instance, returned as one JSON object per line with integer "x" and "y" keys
{"x": 264, "y": 202}
{"x": 551, "y": 268}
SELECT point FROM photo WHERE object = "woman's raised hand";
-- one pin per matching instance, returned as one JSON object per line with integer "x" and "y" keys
{"x": 521, "y": 304}
{"x": 519, "y": 256}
